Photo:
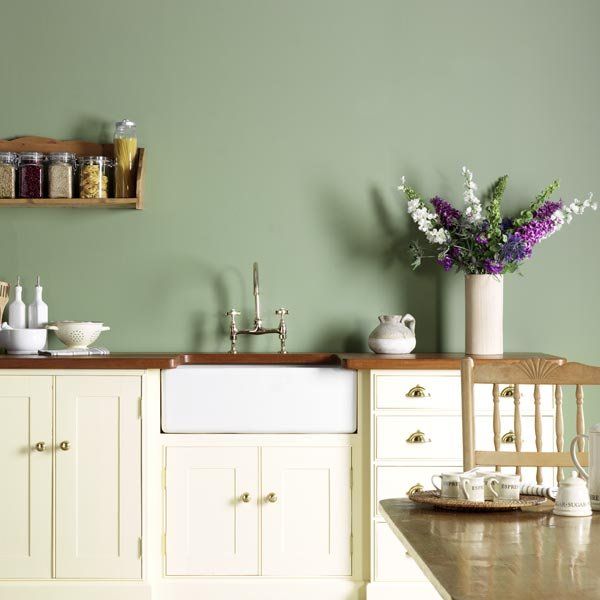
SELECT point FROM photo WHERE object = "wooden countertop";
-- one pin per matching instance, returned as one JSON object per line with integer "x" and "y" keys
{"x": 172, "y": 360}
{"x": 518, "y": 555}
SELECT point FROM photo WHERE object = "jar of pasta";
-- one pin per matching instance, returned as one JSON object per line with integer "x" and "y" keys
{"x": 31, "y": 175}
{"x": 93, "y": 176}
{"x": 61, "y": 174}
{"x": 8, "y": 174}
{"x": 125, "y": 144}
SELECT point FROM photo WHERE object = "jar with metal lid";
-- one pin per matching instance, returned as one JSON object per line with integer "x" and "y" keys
{"x": 8, "y": 174}
{"x": 31, "y": 175}
{"x": 61, "y": 174}
{"x": 125, "y": 144}
{"x": 93, "y": 176}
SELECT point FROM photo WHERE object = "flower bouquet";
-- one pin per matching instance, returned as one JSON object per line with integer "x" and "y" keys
{"x": 484, "y": 245}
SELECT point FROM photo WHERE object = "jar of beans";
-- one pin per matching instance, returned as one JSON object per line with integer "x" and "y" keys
{"x": 8, "y": 174}
{"x": 93, "y": 176}
{"x": 31, "y": 175}
{"x": 61, "y": 174}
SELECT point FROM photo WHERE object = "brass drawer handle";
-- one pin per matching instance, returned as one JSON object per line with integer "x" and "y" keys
{"x": 414, "y": 489}
{"x": 417, "y": 392}
{"x": 418, "y": 437}
{"x": 245, "y": 497}
{"x": 64, "y": 446}
{"x": 40, "y": 446}
{"x": 509, "y": 437}
{"x": 272, "y": 497}
{"x": 508, "y": 392}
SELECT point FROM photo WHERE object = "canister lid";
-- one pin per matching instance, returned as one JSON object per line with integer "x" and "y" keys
{"x": 573, "y": 481}
{"x": 125, "y": 123}
{"x": 61, "y": 157}
{"x": 8, "y": 157}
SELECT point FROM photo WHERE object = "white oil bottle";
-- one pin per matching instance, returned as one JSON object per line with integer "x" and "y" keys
{"x": 16, "y": 309}
{"x": 37, "y": 311}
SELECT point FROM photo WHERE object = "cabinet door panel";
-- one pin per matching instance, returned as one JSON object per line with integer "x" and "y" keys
{"x": 210, "y": 529}
{"x": 26, "y": 501}
{"x": 98, "y": 479}
{"x": 306, "y": 531}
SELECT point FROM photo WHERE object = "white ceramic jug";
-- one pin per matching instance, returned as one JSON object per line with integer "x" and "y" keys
{"x": 395, "y": 334}
{"x": 593, "y": 478}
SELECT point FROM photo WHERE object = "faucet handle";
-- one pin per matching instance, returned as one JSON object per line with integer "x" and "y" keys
{"x": 232, "y": 313}
{"x": 282, "y": 312}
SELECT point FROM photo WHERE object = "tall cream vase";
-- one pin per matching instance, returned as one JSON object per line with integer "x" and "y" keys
{"x": 484, "y": 314}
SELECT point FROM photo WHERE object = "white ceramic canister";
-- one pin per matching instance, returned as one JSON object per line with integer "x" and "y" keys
{"x": 593, "y": 477}
{"x": 573, "y": 499}
{"x": 395, "y": 334}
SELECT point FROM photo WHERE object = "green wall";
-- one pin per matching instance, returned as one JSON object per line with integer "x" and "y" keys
{"x": 277, "y": 131}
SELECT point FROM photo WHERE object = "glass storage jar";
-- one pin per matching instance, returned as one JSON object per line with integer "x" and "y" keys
{"x": 8, "y": 174}
{"x": 61, "y": 174}
{"x": 31, "y": 175}
{"x": 93, "y": 176}
{"x": 125, "y": 144}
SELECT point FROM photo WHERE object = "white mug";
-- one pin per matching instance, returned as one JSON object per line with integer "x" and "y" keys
{"x": 472, "y": 487}
{"x": 489, "y": 496}
{"x": 449, "y": 484}
{"x": 504, "y": 486}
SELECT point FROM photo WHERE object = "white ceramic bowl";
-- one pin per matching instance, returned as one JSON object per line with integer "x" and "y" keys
{"x": 77, "y": 334}
{"x": 23, "y": 341}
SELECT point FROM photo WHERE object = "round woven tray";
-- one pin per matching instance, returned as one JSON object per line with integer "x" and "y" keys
{"x": 432, "y": 498}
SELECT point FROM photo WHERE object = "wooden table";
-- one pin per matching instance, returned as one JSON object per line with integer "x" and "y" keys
{"x": 517, "y": 555}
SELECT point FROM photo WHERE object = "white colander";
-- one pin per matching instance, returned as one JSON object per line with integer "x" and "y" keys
{"x": 77, "y": 334}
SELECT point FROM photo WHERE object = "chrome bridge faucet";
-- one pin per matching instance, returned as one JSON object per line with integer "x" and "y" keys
{"x": 258, "y": 328}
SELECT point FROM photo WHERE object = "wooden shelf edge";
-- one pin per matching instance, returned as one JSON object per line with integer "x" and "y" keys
{"x": 69, "y": 203}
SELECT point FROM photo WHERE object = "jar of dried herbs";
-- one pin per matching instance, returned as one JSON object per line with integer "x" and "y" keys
{"x": 31, "y": 175}
{"x": 93, "y": 176}
{"x": 61, "y": 174}
{"x": 8, "y": 174}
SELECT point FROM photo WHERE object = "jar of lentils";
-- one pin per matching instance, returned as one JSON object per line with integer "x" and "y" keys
{"x": 31, "y": 175}
{"x": 93, "y": 176}
{"x": 8, "y": 174}
{"x": 61, "y": 174}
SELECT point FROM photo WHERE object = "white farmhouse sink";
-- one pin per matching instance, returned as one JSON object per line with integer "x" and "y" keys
{"x": 258, "y": 399}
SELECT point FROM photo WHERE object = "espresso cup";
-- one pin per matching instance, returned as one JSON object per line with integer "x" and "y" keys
{"x": 489, "y": 496}
{"x": 449, "y": 484}
{"x": 472, "y": 487}
{"x": 504, "y": 486}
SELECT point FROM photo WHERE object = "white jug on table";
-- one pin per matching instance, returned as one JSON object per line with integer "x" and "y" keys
{"x": 593, "y": 477}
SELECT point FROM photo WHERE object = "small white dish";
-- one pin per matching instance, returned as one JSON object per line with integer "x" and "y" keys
{"x": 23, "y": 341}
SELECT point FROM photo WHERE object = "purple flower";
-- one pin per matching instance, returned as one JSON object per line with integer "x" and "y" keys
{"x": 481, "y": 239}
{"x": 515, "y": 249}
{"x": 493, "y": 267}
{"x": 446, "y": 262}
{"x": 547, "y": 209}
{"x": 455, "y": 252}
{"x": 506, "y": 224}
{"x": 448, "y": 215}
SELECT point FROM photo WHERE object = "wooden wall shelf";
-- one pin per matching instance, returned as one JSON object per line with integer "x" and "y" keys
{"x": 80, "y": 148}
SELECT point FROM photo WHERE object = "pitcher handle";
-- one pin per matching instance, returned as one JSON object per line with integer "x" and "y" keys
{"x": 409, "y": 321}
{"x": 574, "y": 455}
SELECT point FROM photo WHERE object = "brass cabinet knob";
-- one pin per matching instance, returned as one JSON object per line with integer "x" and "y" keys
{"x": 415, "y": 488}
{"x": 509, "y": 437}
{"x": 65, "y": 446}
{"x": 245, "y": 497}
{"x": 272, "y": 497}
{"x": 417, "y": 392}
{"x": 418, "y": 437}
{"x": 40, "y": 446}
{"x": 508, "y": 392}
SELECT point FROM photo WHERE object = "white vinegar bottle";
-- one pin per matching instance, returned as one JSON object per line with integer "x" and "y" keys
{"x": 16, "y": 309}
{"x": 37, "y": 311}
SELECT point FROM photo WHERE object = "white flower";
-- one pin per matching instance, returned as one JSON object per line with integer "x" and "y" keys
{"x": 473, "y": 209}
{"x": 577, "y": 207}
{"x": 402, "y": 185}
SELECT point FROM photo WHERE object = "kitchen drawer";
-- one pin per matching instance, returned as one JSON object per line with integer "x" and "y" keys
{"x": 417, "y": 391}
{"x": 394, "y": 482}
{"x": 443, "y": 433}
{"x": 392, "y": 563}
{"x": 484, "y": 433}
{"x": 484, "y": 400}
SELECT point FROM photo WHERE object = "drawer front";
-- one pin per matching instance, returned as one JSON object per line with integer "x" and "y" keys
{"x": 417, "y": 391}
{"x": 392, "y": 563}
{"x": 484, "y": 400}
{"x": 442, "y": 432}
{"x": 394, "y": 482}
{"x": 484, "y": 433}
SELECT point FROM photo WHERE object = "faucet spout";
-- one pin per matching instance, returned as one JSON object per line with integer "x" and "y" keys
{"x": 257, "y": 319}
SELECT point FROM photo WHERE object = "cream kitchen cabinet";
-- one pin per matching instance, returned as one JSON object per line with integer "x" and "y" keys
{"x": 70, "y": 457}
{"x": 281, "y": 511}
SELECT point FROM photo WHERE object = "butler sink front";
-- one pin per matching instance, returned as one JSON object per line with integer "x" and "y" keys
{"x": 258, "y": 399}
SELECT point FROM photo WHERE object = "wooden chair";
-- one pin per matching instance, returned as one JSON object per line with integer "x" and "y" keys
{"x": 538, "y": 372}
